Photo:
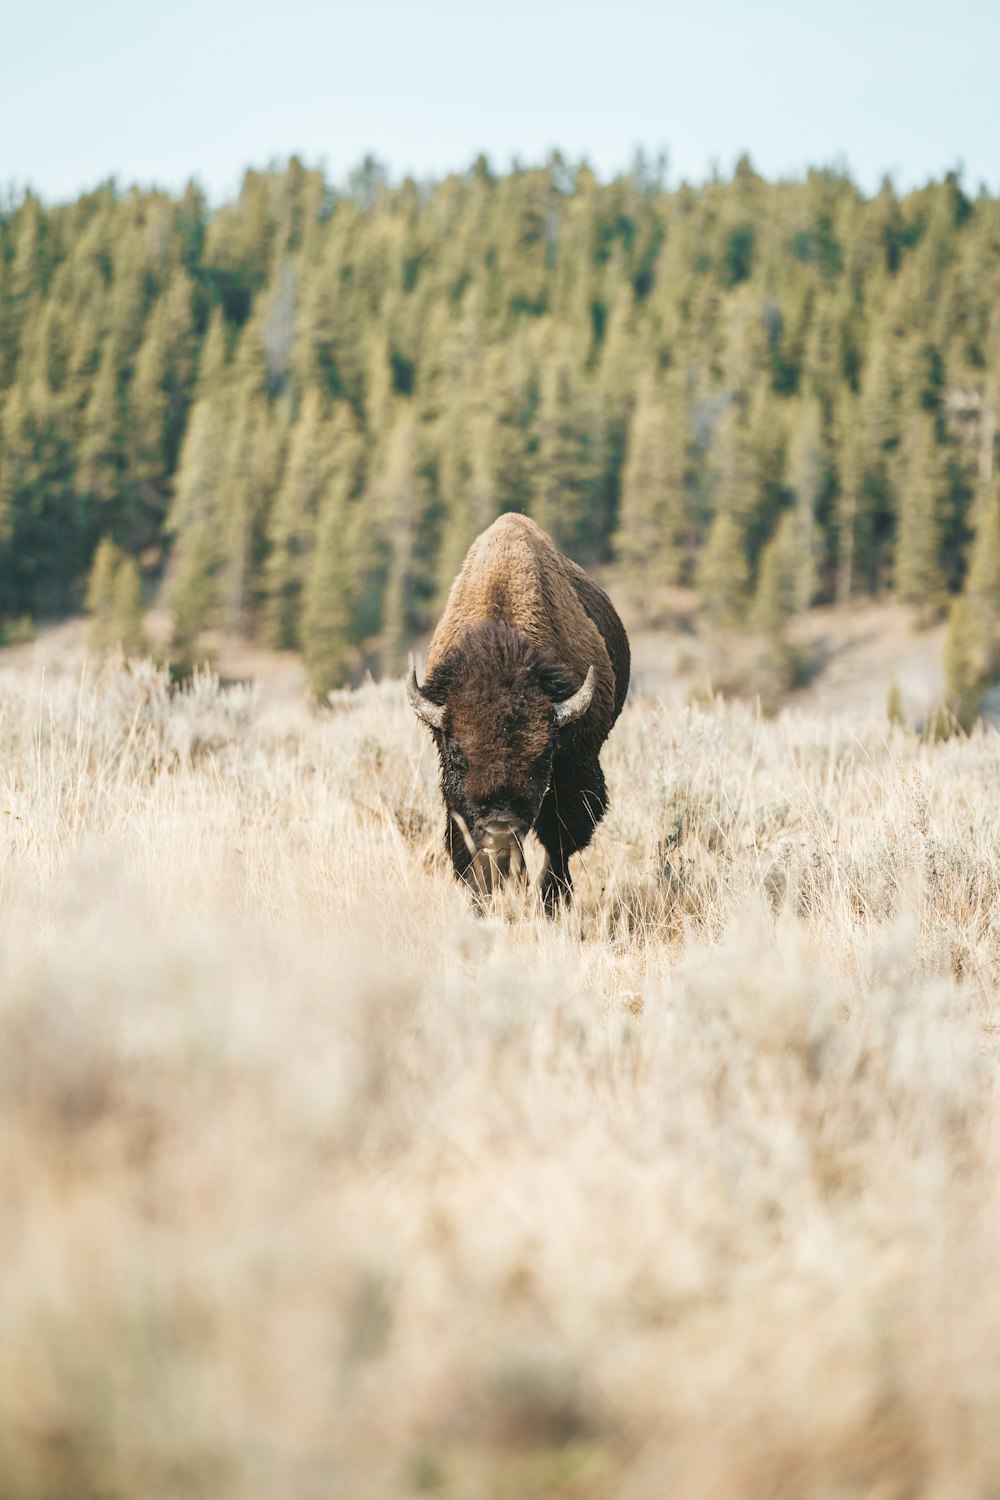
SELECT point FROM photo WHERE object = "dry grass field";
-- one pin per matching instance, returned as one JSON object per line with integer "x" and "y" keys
{"x": 314, "y": 1186}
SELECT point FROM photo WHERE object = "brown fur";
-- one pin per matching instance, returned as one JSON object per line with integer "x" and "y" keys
{"x": 513, "y": 572}
{"x": 500, "y": 729}
{"x": 521, "y": 629}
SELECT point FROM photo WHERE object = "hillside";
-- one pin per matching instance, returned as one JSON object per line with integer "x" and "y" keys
{"x": 286, "y": 418}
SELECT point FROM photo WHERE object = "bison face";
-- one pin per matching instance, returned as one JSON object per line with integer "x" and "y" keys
{"x": 497, "y": 707}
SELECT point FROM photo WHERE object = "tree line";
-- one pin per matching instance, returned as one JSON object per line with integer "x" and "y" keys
{"x": 289, "y": 415}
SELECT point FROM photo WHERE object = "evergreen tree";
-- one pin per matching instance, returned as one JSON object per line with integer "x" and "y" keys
{"x": 194, "y": 596}
{"x": 177, "y": 328}
{"x": 566, "y": 462}
{"x": 145, "y": 467}
{"x": 779, "y": 593}
{"x": 42, "y": 530}
{"x": 733, "y": 470}
{"x": 100, "y": 596}
{"x": 214, "y": 357}
{"x": 723, "y": 574}
{"x": 805, "y": 479}
{"x": 468, "y": 482}
{"x": 114, "y": 601}
{"x": 653, "y": 517}
{"x": 875, "y": 440}
{"x": 195, "y": 526}
{"x": 99, "y": 465}
{"x": 850, "y": 478}
{"x": 128, "y": 607}
{"x": 399, "y": 501}
{"x": 327, "y": 623}
{"x": 252, "y": 463}
{"x": 292, "y": 521}
{"x": 972, "y": 645}
{"x": 919, "y": 575}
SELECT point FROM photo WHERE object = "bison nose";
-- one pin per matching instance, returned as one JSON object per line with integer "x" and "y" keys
{"x": 500, "y": 834}
{"x": 499, "y": 856}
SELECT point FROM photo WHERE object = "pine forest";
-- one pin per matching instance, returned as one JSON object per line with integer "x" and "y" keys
{"x": 288, "y": 415}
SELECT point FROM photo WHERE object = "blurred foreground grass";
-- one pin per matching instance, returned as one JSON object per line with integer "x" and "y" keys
{"x": 315, "y": 1185}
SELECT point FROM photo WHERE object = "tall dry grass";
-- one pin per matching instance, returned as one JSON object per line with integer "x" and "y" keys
{"x": 312, "y": 1184}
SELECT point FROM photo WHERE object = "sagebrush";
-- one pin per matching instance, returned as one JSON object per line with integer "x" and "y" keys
{"x": 315, "y": 1184}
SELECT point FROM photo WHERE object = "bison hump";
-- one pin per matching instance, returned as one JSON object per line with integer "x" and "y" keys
{"x": 514, "y": 573}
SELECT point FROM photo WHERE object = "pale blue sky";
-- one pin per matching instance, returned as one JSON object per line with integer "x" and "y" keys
{"x": 157, "y": 93}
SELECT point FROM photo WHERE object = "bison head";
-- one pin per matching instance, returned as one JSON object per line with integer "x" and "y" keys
{"x": 497, "y": 706}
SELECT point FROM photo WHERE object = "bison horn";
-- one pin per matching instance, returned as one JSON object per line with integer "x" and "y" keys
{"x": 571, "y": 709}
{"x": 431, "y": 713}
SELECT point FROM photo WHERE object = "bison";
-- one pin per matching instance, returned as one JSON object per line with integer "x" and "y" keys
{"x": 526, "y": 673}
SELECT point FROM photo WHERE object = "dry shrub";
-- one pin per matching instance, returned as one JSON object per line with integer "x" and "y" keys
{"x": 315, "y": 1183}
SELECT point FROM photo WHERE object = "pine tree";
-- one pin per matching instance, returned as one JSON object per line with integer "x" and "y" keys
{"x": 851, "y": 467}
{"x": 176, "y": 326}
{"x": 919, "y": 574}
{"x": 766, "y": 441}
{"x": 468, "y": 482}
{"x": 876, "y": 440}
{"x": 733, "y": 468}
{"x": 17, "y": 454}
{"x": 779, "y": 583}
{"x": 194, "y": 597}
{"x": 723, "y": 574}
{"x": 249, "y": 478}
{"x": 805, "y": 479}
{"x": 653, "y": 517}
{"x": 378, "y": 387}
{"x": 195, "y": 525}
{"x": 399, "y": 502}
{"x": 83, "y": 360}
{"x": 214, "y": 358}
{"x": 99, "y": 465}
{"x": 746, "y": 355}
{"x": 567, "y": 458}
{"x": 29, "y": 239}
{"x": 114, "y": 601}
{"x": 42, "y": 526}
{"x": 100, "y": 596}
{"x": 983, "y": 581}
{"x": 292, "y": 521}
{"x": 144, "y": 459}
{"x": 972, "y": 645}
{"x": 327, "y": 625}
{"x": 128, "y": 607}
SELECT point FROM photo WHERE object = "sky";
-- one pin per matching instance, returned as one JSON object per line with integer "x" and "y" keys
{"x": 159, "y": 94}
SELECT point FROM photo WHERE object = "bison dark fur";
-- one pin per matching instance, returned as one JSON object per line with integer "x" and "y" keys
{"x": 522, "y": 629}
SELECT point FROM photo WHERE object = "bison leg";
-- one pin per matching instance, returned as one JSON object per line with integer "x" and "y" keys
{"x": 574, "y": 804}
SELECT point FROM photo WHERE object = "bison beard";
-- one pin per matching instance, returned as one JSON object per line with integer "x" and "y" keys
{"x": 527, "y": 672}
